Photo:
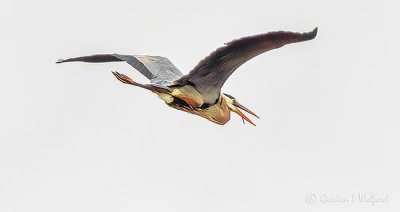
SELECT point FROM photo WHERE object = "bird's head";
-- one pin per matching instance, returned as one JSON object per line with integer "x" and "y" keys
{"x": 235, "y": 106}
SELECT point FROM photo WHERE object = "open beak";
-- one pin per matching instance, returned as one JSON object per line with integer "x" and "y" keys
{"x": 244, "y": 117}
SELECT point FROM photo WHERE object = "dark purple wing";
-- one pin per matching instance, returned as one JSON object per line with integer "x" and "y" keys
{"x": 211, "y": 73}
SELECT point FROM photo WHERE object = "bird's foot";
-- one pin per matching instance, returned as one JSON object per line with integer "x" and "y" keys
{"x": 123, "y": 78}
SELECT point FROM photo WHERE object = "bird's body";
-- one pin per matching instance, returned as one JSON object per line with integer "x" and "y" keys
{"x": 199, "y": 92}
{"x": 189, "y": 100}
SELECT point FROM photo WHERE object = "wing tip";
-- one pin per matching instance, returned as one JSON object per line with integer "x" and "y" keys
{"x": 61, "y": 61}
{"x": 311, "y": 35}
{"x": 66, "y": 60}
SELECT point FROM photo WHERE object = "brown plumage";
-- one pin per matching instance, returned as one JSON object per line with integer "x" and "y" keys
{"x": 199, "y": 92}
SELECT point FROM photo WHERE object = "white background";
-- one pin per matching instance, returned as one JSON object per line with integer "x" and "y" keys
{"x": 73, "y": 138}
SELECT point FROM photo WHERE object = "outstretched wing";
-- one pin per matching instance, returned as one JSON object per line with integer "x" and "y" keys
{"x": 211, "y": 73}
{"x": 159, "y": 70}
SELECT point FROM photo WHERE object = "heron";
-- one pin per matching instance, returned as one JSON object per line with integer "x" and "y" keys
{"x": 199, "y": 91}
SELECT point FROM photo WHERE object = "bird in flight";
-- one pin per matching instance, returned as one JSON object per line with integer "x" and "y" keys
{"x": 199, "y": 91}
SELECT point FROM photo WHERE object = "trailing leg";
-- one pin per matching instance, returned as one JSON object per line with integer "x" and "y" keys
{"x": 127, "y": 80}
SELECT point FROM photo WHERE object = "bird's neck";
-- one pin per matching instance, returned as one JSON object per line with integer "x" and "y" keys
{"x": 218, "y": 113}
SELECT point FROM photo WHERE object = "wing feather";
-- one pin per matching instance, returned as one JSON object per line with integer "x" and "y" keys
{"x": 159, "y": 70}
{"x": 211, "y": 73}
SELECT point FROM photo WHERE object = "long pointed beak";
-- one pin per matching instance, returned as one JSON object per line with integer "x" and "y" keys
{"x": 237, "y": 104}
{"x": 244, "y": 117}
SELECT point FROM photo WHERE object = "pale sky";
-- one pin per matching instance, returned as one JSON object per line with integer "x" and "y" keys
{"x": 73, "y": 138}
